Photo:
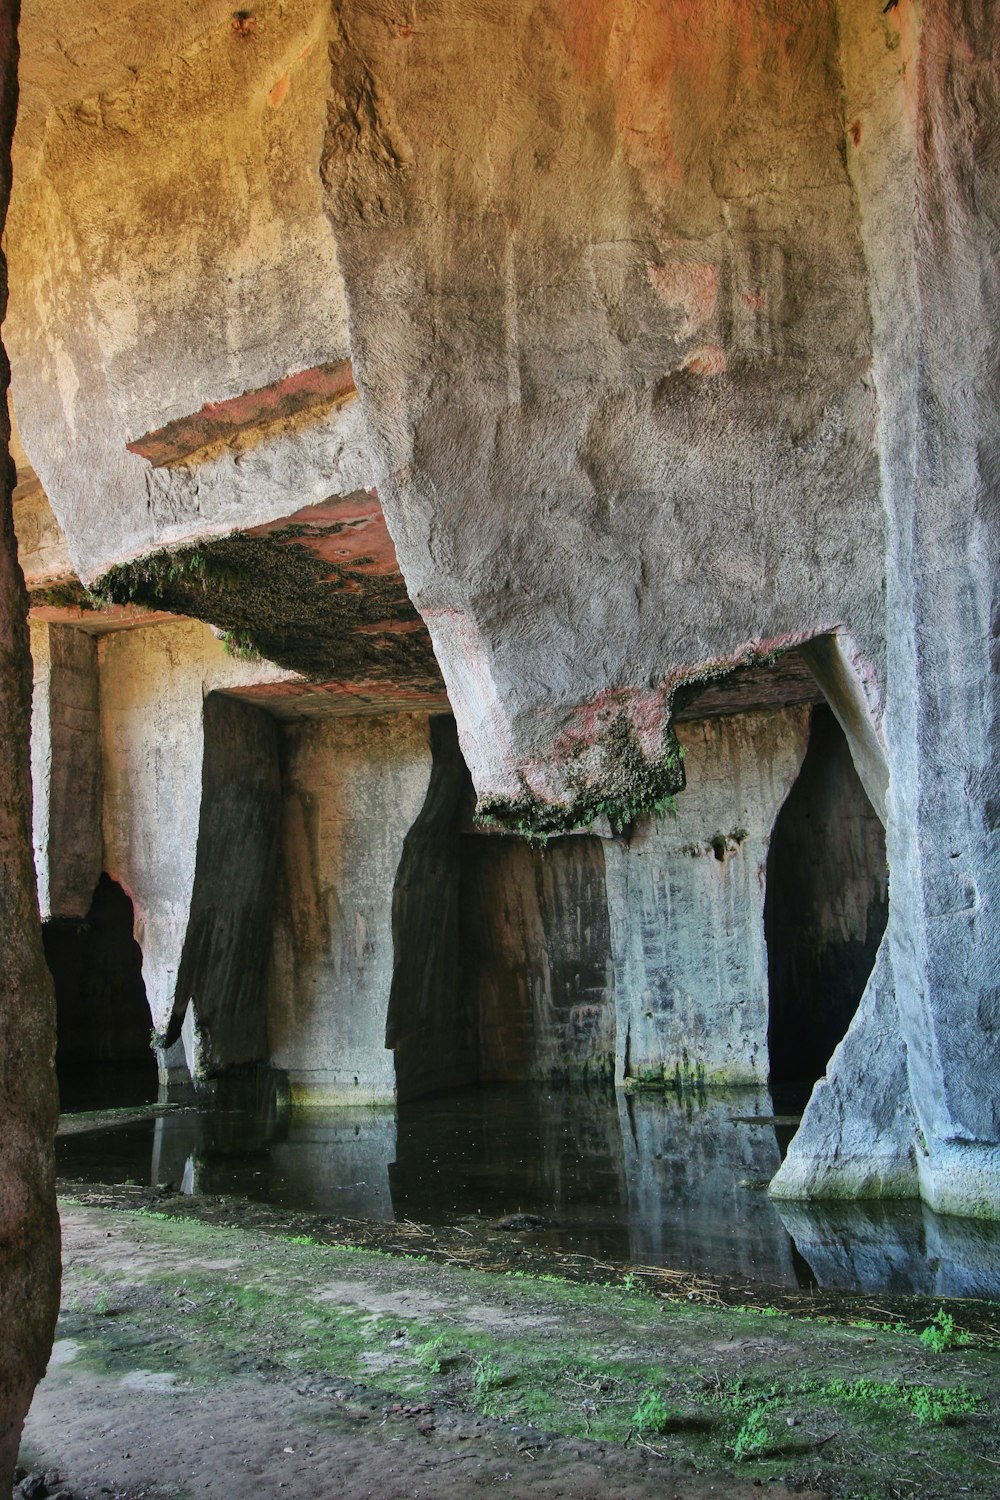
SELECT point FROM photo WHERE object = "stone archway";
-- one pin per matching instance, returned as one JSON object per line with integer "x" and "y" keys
{"x": 103, "y": 1052}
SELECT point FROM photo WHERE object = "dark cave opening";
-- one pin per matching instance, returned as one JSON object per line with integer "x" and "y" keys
{"x": 825, "y": 908}
{"x": 103, "y": 1053}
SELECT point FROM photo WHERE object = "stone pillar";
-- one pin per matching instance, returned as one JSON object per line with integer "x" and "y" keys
{"x": 66, "y": 769}
{"x": 353, "y": 789}
{"x": 536, "y": 958}
{"x": 943, "y": 505}
{"x": 910, "y": 1101}
{"x": 687, "y": 907}
{"x": 29, "y": 1227}
{"x": 190, "y": 785}
{"x": 227, "y": 945}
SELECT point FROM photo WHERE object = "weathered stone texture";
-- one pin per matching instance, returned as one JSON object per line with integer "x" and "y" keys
{"x": 65, "y": 769}
{"x": 29, "y": 1227}
{"x": 928, "y": 183}
{"x": 502, "y": 967}
{"x": 858, "y": 1135}
{"x": 153, "y": 683}
{"x": 172, "y": 250}
{"x": 536, "y": 958}
{"x": 594, "y": 957}
{"x": 613, "y": 277}
{"x": 227, "y": 944}
{"x": 41, "y": 543}
{"x": 352, "y": 790}
{"x": 687, "y": 906}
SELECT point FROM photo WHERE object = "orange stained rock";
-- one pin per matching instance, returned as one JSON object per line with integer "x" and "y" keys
{"x": 691, "y": 286}
{"x": 276, "y": 96}
{"x": 218, "y": 421}
{"x": 708, "y": 360}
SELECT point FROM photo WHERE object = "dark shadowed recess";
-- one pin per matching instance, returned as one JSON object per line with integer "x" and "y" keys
{"x": 502, "y": 970}
{"x": 103, "y": 1053}
{"x": 826, "y": 907}
{"x": 430, "y": 1024}
{"x": 228, "y": 941}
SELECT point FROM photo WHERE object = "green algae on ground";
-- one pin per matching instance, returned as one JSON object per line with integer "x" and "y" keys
{"x": 861, "y": 1412}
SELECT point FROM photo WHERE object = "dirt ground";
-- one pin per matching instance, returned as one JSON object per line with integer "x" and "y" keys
{"x": 196, "y": 1359}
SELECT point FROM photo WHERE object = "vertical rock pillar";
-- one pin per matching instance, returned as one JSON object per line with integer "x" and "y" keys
{"x": 910, "y": 1103}
{"x": 29, "y": 1227}
{"x": 944, "y": 602}
{"x": 66, "y": 769}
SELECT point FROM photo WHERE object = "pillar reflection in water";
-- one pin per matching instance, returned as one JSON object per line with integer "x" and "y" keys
{"x": 696, "y": 1167}
{"x": 651, "y": 1179}
{"x": 895, "y": 1247}
{"x": 325, "y": 1161}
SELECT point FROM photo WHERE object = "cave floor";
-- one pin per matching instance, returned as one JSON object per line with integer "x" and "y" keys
{"x": 199, "y": 1357}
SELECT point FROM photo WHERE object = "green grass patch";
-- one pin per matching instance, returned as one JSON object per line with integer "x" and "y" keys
{"x": 927, "y": 1403}
{"x": 726, "y": 1389}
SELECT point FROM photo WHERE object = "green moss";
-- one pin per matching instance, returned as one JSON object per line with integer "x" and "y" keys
{"x": 711, "y": 1386}
{"x": 63, "y": 596}
{"x": 274, "y": 596}
{"x": 239, "y": 645}
{"x": 628, "y": 785}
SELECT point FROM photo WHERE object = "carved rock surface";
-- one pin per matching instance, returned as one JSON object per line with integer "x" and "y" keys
{"x": 609, "y": 324}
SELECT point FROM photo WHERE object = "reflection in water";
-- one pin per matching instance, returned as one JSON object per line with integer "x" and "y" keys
{"x": 696, "y": 1173}
{"x": 651, "y": 1179}
{"x": 896, "y": 1247}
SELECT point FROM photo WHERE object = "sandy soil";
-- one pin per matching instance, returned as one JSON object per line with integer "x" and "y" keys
{"x": 135, "y": 1431}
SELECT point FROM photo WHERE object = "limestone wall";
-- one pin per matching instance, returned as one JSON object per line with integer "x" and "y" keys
{"x": 353, "y": 788}
{"x": 66, "y": 769}
{"x": 172, "y": 251}
{"x": 153, "y": 683}
{"x": 673, "y": 333}
{"x": 910, "y": 1105}
{"x": 536, "y": 958}
{"x": 227, "y": 944}
{"x": 687, "y": 906}
{"x": 614, "y": 354}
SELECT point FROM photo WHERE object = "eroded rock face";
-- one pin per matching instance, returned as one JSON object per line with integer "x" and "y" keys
{"x": 675, "y": 341}
{"x": 609, "y": 324}
{"x": 624, "y": 280}
{"x": 687, "y": 905}
{"x": 354, "y": 788}
{"x": 65, "y": 768}
{"x": 153, "y": 684}
{"x": 929, "y": 191}
{"x": 29, "y": 1228}
{"x": 171, "y": 254}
